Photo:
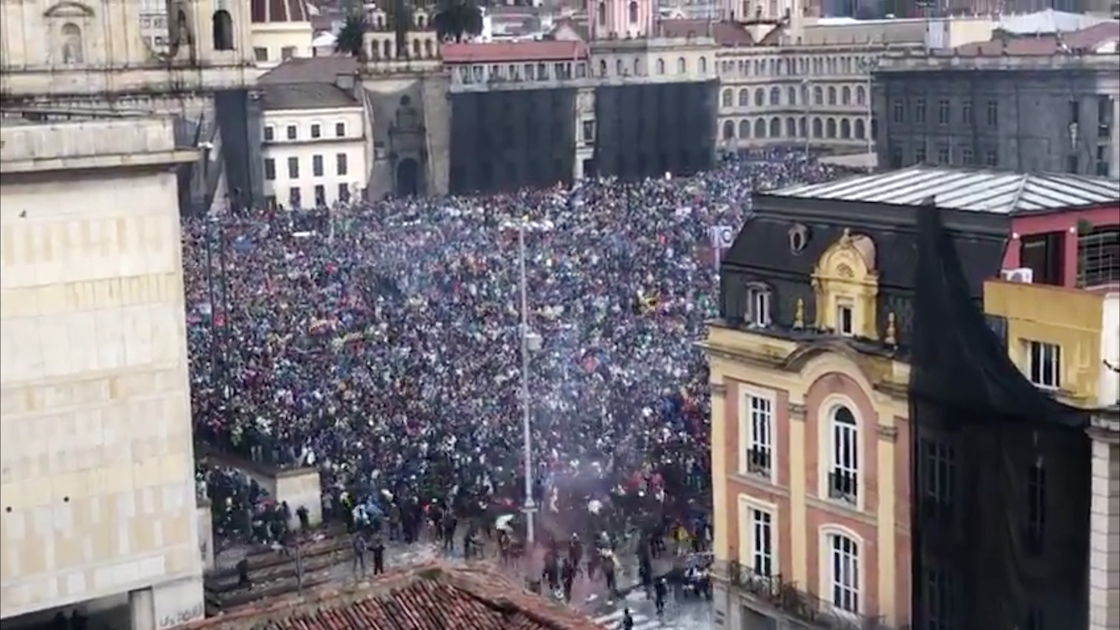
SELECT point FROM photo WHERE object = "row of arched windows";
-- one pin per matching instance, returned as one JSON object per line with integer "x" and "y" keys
{"x": 634, "y": 68}
{"x": 800, "y": 66}
{"x": 790, "y": 127}
{"x": 775, "y": 96}
{"x": 421, "y": 48}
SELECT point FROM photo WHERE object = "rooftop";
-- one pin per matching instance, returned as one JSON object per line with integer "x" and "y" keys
{"x": 310, "y": 70}
{"x": 434, "y": 596}
{"x": 966, "y": 189}
{"x": 287, "y": 96}
{"x": 513, "y": 52}
{"x": 271, "y": 11}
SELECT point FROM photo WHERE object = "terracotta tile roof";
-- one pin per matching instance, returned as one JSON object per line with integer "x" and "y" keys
{"x": 512, "y": 52}
{"x": 434, "y": 596}
{"x": 1085, "y": 40}
{"x": 732, "y": 35}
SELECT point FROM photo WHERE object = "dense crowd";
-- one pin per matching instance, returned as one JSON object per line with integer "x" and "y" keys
{"x": 382, "y": 342}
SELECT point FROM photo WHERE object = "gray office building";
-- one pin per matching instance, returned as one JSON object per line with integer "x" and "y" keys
{"x": 1027, "y": 113}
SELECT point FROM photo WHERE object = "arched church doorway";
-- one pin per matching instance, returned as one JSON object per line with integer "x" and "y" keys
{"x": 408, "y": 178}
{"x": 223, "y": 30}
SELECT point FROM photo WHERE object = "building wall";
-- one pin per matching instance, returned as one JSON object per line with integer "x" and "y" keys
{"x": 305, "y": 148}
{"x": 276, "y": 41}
{"x": 1065, "y": 222}
{"x": 1108, "y": 393}
{"x": 1021, "y": 116}
{"x": 98, "y": 483}
{"x": 1068, "y": 318}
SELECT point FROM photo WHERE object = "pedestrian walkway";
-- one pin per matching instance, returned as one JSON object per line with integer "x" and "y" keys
{"x": 613, "y": 621}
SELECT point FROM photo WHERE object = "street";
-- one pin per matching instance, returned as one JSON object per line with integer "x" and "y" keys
{"x": 686, "y": 614}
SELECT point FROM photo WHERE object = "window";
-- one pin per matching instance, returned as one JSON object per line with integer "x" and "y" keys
{"x": 966, "y": 112}
{"x": 760, "y": 444}
{"x": 744, "y": 97}
{"x": 844, "y": 323}
{"x": 991, "y": 158}
{"x": 967, "y": 158}
{"x": 1098, "y": 255}
{"x": 920, "y": 111}
{"x": 344, "y": 193}
{"x": 936, "y": 480}
{"x": 843, "y": 573}
{"x": 920, "y": 154}
{"x": 762, "y": 542}
{"x": 269, "y": 133}
{"x": 758, "y": 306}
{"x": 682, "y": 65}
{"x": 861, "y": 95}
{"x": 1074, "y": 112}
{"x": 831, "y": 95}
{"x": 1073, "y": 165}
{"x": 287, "y": 52}
{"x": 316, "y": 130}
{"x": 317, "y": 165}
{"x": 1043, "y": 254}
{"x": 342, "y": 167}
{"x": 728, "y": 130}
{"x": 660, "y": 65}
{"x": 940, "y": 601}
{"x": 898, "y": 111}
{"x": 633, "y": 12}
{"x": 292, "y": 132}
{"x": 846, "y": 95}
{"x": 818, "y": 95}
{"x": 992, "y": 117}
{"x": 340, "y": 130}
{"x": 843, "y": 479}
{"x": 293, "y": 168}
{"x": 944, "y": 113}
{"x": 759, "y": 97}
{"x": 896, "y": 156}
{"x": 588, "y": 131}
{"x": 943, "y": 154}
{"x": 294, "y": 197}
{"x": 1044, "y": 364}
{"x": 775, "y": 96}
{"x": 1036, "y": 508}
{"x": 1104, "y": 116}
{"x": 320, "y": 195}
{"x": 269, "y": 169}
{"x": 726, "y": 98}
{"x": 260, "y": 53}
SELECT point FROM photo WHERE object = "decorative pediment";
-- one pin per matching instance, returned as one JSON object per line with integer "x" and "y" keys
{"x": 69, "y": 10}
{"x": 849, "y": 259}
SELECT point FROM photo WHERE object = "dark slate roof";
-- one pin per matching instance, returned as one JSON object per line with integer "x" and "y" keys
{"x": 431, "y": 596}
{"x": 310, "y": 70}
{"x": 304, "y": 96}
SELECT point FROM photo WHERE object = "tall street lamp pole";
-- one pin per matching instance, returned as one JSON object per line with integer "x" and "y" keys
{"x": 807, "y": 96}
{"x": 869, "y": 65}
{"x": 526, "y": 339}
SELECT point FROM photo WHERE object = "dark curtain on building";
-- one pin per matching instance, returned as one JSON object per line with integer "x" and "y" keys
{"x": 502, "y": 140}
{"x": 240, "y": 145}
{"x": 1000, "y": 470}
{"x": 650, "y": 129}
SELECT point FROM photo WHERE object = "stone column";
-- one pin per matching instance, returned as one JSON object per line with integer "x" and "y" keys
{"x": 1104, "y": 523}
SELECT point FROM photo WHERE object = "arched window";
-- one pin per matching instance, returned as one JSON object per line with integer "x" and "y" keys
{"x": 845, "y": 129}
{"x": 374, "y": 51}
{"x": 775, "y": 96}
{"x": 727, "y": 99}
{"x": 775, "y": 127}
{"x": 861, "y": 95}
{"x": 804, "y": 94}
{"x": 728, "y": 130}
{"x": 760, "y": 128}
{"x": 223, "y": 30}
{"x": 831, "y": 95}
{"x": 842, "y": 571}
{"x": 633, "y": 12}
{"x": 860, "y": 129}
{"x": 637, "y": 67}
{"x": 682, "y": 66}
{"x": 744, "y": 129}
{"x": 744, "y": 97}
{"x": 416, "y": 48}
{"x": 619, "y": 68}
{"x": 602, "y": 67}
{"x": 757, "y": 314}
{"x": 387, "y": 46}
{"x": 830, "y": 128}
{"x": 660, "y": 66}
{"x": 791, "y": 128}
{"x": 818, "y": 128}
{"x": 843, "y": 472}
{"x": 759, "y": 97}
{"x": 73, "y": 51}
{"x": 802, "y": 128}
{"x": 791, "y": 95}
{"x": 818, "y": 95}
{"x": 429, "y": 49}
{"x": 845, "y": 95}
{"x": 183, "y": 35}
{"x": 601, "y": 18}
{"x": 702, "y": 65}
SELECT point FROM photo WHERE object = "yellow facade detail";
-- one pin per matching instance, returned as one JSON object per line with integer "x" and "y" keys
{"x": 1069, "y": 319}
{"x": 845, "y": 276}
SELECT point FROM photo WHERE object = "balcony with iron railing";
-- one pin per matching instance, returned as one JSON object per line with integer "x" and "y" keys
{"x": 780, "y": 598}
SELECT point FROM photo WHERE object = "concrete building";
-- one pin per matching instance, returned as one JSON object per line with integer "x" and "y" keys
{"x": 1035, "y": 104}
{"x": 280, "y": 31}
{"x": 98, "y": 481}
{"x": 812, "y": 430}
{"x": 153, "y": 24}
{"x": 314, "y": 145}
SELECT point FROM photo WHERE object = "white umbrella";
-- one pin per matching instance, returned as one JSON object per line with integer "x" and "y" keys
{"x": 504, "y": 522}
{"x": 594, "y": 506}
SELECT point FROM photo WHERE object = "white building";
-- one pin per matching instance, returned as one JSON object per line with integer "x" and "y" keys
{"x": 314, "y": 146}
{"x": 153, "y": 24}
{"x": 281, "y": 30}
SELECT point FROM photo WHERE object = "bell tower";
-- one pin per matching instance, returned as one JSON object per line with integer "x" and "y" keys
{"x": 621, "y": 19}
{"x": 209, "y": 32}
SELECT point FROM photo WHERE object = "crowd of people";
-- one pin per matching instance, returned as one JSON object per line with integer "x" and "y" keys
{"x": 382, "y": 343}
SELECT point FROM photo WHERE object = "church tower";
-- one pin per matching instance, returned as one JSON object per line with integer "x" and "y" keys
{"x": 210, "y": 32}
{"x": 621, "y": 19}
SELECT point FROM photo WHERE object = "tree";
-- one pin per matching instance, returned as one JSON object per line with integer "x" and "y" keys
{"x": 352, "y": 36}
{"x": 399, "y": 15}
{"x": 456, "y": 19}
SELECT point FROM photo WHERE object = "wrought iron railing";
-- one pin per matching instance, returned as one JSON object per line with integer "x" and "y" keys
{"x": 786, "y": 597}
